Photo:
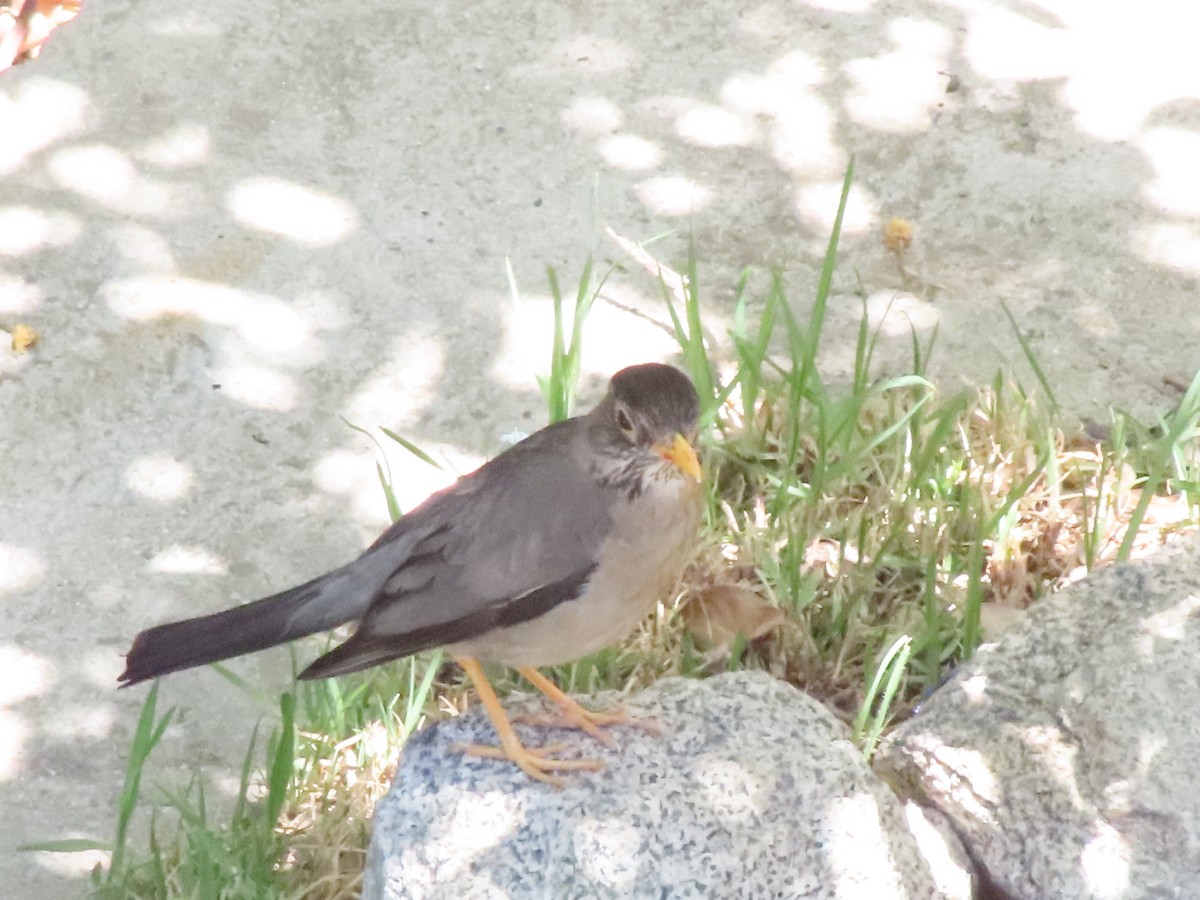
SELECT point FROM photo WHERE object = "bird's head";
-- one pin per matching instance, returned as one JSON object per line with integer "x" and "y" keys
{"x": 646, "y": 426}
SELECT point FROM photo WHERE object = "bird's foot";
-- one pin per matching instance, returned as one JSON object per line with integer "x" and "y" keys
{"x": 572, "y": 715}
{"x": 536, "y": 762}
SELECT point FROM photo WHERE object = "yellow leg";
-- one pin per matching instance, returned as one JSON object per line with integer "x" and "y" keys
{"x": 536, "y": 762}
{"x": 575, "y": 715}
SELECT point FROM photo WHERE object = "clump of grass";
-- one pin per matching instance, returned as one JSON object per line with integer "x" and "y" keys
{"x": 199, "y": 857}
{"x": 887, "y": 522}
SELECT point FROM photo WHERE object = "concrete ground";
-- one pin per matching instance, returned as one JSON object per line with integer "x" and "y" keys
{"x": 233, "y": 223}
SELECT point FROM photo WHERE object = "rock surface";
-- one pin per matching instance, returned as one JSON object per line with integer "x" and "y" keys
{"x": 752, "y": 790}
{"x": 1064, "y": 754}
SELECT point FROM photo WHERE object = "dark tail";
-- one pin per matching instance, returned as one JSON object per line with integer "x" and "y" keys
{"x": 319, "y": 605}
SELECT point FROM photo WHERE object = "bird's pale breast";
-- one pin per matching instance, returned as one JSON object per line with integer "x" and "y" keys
{"x": 651, "y": 540}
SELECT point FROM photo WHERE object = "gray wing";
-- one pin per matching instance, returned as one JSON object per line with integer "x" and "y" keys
{"x": 509, "y": 541}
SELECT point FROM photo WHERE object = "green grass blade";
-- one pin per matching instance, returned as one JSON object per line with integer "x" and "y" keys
{"x": 566, "y": 356}
{"x": 66, "y": 845}
{"x": 700, "y": 367}
{"x": 145, "y": 738}
{"x": 413, "y": 449}
{"x": 417, "y": 700}
{"x": 1180, "y": 423}
{"x": 1030, "y": 357}
{"x": 817, "y": 318}
{"x": 556, "y": 393}
{"x": 279, "y": 776}
{"x": 389, "y": 495}
{"x": 876, "y": 706}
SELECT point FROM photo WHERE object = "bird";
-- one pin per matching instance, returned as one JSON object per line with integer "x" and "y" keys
{"x": 550, "y": 551}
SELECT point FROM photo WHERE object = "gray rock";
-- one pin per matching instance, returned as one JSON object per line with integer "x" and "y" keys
{"x": 752, "y": 790}
{"x": 1064, "y": 754}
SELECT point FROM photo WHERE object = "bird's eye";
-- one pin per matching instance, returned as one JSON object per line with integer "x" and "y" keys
{"x": 623, "y": 421}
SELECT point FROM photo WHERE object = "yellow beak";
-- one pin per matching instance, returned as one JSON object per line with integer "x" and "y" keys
{"x": 683, "y": 455}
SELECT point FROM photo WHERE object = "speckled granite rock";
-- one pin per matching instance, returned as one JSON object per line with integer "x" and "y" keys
{"x": 752, "y": 790}
{"x": 1065, "y": 754}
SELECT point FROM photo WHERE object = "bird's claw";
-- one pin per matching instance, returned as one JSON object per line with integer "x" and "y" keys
{"x": 536, "y": 762}
{"x": 576, "y": 716}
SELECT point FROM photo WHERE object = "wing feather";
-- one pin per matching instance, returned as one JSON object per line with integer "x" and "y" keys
{"x": 517, "y": 534}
